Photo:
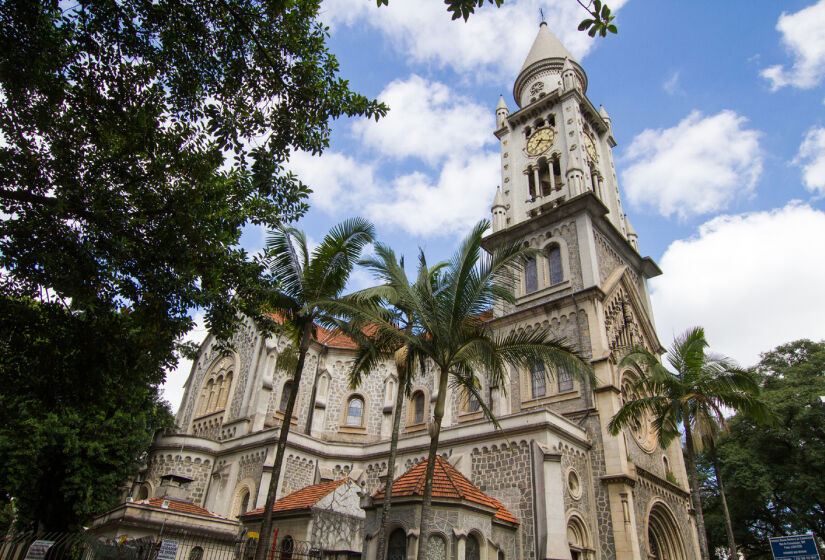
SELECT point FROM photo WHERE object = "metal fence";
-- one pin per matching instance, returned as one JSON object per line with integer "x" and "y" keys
{"x": 82, "y": 546}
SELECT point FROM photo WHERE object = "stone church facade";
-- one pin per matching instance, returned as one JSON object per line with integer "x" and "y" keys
{"x": 576, "y": 491}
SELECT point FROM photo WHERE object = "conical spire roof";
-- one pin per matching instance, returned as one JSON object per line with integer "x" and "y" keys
{"x": 545, "y": 46}
{"x": 498, "y": 200}
{"x": 501, "y": 103}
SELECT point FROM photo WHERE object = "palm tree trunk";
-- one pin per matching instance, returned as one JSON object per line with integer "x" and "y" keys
{"x": 693, "y": 477}
{"x": 728, "y": 523}
{"x": 426, "y": 504}
{"x": 396, "y": 426}
{"x": 266, "y": 522}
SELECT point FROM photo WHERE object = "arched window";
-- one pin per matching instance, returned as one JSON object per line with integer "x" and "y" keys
{"x": 143, "y": 492}
{"x": 355, "y": 411}
{"x": 576, "y": 538}
{"x": 418, "y": 408}
{"x": 473, "y": 549}
{"x": 196, "y": 553}
{"x": 538, "y": 381}
{"x": 663, "y": 539}
{"x": 565, "y": 379}
{"x": 473, "y": 404}
{"x": 397, "y": 547}
{"x": 531, "y": 280}
{"x": 285, "y": 393}
{"x": 554, "y": 264}
{"x": 227, "y": 384}
{"x": 287, "y": 546}
{"x": 243, "y": 503}
{"x": 437, "y": 550}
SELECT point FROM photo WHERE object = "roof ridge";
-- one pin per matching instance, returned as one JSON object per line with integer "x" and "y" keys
{"x": 448, "y": 472}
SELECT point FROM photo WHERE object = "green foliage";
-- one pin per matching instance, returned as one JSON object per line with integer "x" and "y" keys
{"x": 78, "y": 407}
{"x": 139, "y": 137}
{"x": 773, "y": 474}
{"x": 600, "y": 22}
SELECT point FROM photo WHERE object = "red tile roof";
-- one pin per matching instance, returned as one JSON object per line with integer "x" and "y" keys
{"x": 178, "y": 506}
{"x": 303, "y": 498}
{"x": 447, "y": 483}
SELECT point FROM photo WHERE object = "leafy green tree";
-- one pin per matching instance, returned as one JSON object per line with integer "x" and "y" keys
{"x": 691, "y": 398}
{"x": 79, "y": 406}
{"x": 772, "y": 473}
{"x": 302, "y": 283}
{"x": 138, "y": 138}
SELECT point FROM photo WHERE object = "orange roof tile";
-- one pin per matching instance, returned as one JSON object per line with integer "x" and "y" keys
{"x": 447, "y": 483}
{"x": 303, "y": 498}
{"x": 179, "y": 506}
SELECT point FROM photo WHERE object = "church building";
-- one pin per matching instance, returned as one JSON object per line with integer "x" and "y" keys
{"x": 552, "y": 483}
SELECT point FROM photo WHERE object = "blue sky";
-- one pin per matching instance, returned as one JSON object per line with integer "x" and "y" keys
{"x": 718, "y": 109}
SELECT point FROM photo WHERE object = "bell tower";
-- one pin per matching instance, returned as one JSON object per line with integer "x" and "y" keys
{"x": 588, "y": 284}
{"x": 557, "y": 145}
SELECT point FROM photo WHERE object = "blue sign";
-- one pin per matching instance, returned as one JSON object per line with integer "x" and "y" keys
{"x": 796, "y": 547}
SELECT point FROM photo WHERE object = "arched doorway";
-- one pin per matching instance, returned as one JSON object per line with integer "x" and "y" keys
{"x": 577, "y": 538}
{"x": 397, "y": 546}
{"x": 663, "y": 539}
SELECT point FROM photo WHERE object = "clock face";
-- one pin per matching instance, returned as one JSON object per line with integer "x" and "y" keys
{"x": 540, "y": 141}
{"x": 590, "y": 146}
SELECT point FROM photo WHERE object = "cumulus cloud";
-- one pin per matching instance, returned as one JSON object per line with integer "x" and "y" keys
{"x": 753, "y": 280}
{"x": 172, "y": 388}
{"x": 803, "y": 35}
{"x": 427, "y": 120}
{"x": 418, "y": 203}
{"x": 811, "y": 157}
{"x": 698, "y": 166}
{"x": 483, "y": 47}
{"x": 336, "y": 180}
{"x": 456, "y": 200}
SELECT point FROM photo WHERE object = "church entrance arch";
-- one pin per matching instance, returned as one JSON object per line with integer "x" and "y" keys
{"x": 397, "y": 547}
{"x": 663, "y": 539}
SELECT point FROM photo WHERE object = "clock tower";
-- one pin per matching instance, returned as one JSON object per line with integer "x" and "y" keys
{"x": 559, "y": 194}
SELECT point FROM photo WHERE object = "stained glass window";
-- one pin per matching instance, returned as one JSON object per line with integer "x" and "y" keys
{"x": 531, "y": 282}
{"x": 355, "y": 411}
{"x": 554, "y": 261}
{"x": 418, "y": 408}
{"x": 472, "y": 552}
{"x": 565, "y": 380}
{"x": 538, "y": 381}
{"x": 397, "y": 547}
{"x": 285, "y": 396}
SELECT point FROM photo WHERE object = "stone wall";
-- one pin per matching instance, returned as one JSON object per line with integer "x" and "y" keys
{"x": 196, "y": 468}
{"x": 298, "y": 472}
{"x": 504, "y": 472}
{"x": 601, "y": 500}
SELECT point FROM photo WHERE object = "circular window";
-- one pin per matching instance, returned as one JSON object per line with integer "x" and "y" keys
{"x": 574, "y": 485}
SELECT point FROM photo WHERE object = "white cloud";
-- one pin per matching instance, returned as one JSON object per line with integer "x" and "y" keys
{"x": 461, "y": 196}
{"x": 492, "y": 43}
{"x": 754, "y": 281}
{"x": 426, "y": 120}
{"x": 698, "y": 166}
{"x": 671, "y": 85}
{"x": 337, "y": 180}
{"x": 803, "y": 34}
{"x": 172, "y": 388}
{"x": 811, "y": 157}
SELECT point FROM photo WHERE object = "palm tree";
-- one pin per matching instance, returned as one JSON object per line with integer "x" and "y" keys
{"x": 302, "y": 283}
{"x": 450, "y": 332}
{"x": 362, "y": 308}
{"x": 691, "y": 398}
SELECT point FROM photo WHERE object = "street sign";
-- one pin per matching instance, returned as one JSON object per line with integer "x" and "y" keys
{"x": 796, "y": 547}
{"x": 168, "y": 549}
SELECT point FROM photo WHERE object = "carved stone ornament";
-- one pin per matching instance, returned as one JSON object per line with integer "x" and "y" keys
{"x": 536, "y": 88}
